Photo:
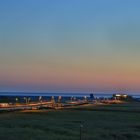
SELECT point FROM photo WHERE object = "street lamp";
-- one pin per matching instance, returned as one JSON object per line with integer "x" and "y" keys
{"x": 81, "y": 126}
{"x": 25, "y": 98}
{"x": 16, "y": 100}
{"x": 59, "y": 99}
{"x": 29, "y": 100}
{"x": 53, "y": 101}
{"x": 40, "y": 98}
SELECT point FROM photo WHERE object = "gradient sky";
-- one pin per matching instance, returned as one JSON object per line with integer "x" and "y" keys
{"x": 69, "y": 45}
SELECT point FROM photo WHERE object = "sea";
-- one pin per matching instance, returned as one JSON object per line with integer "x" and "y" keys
{"x": 96, "y": 94}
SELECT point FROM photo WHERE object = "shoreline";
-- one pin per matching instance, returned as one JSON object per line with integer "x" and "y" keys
{"x": 63, "y": 95}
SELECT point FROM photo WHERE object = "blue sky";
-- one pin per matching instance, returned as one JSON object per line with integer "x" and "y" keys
{"x": 53, "y": 45}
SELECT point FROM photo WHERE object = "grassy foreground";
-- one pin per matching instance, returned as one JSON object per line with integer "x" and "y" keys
{"x": 109, "y": 122}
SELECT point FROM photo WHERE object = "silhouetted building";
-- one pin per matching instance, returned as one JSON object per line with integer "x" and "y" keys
{"x": 91, "y": 96}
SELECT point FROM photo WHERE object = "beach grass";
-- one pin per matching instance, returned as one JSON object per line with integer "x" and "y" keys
{"x": 104, "y": 122}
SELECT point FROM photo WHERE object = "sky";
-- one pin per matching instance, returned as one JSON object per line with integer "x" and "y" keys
{"x": 69, "y": 45}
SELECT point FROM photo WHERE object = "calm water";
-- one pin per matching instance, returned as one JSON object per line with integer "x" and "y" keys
{"x": 96, "y": 94}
